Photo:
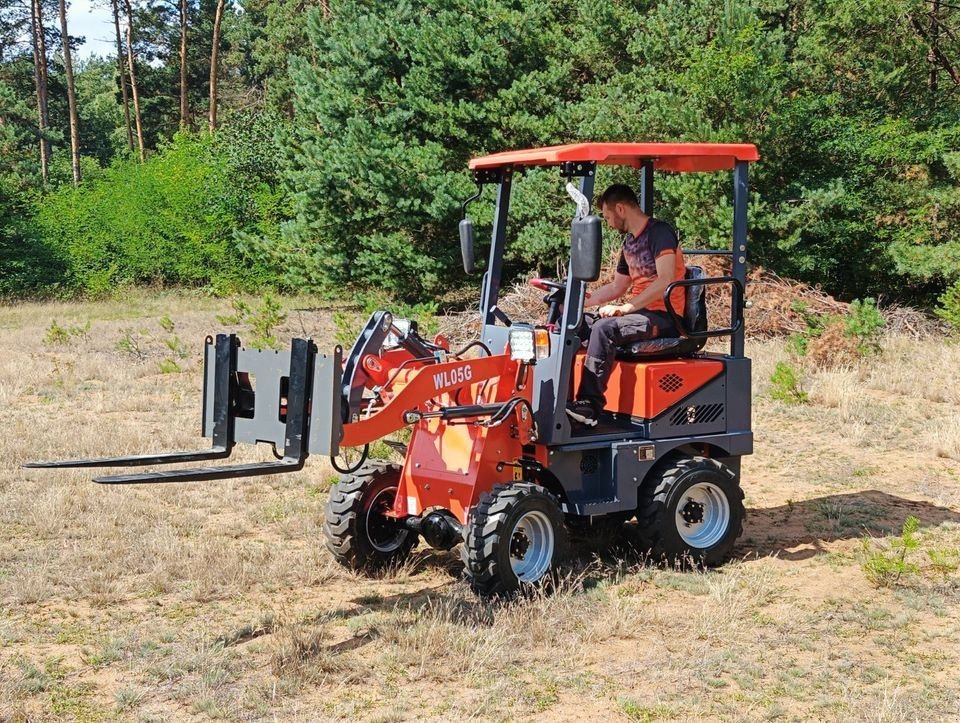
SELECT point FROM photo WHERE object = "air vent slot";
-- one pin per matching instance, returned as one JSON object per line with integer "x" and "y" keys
{"x": 671, "y": 382}
{"x": 699, "y": 414}
{"x": 589, "y": 464}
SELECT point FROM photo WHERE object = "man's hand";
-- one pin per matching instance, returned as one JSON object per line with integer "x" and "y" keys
{"x": 614, "y": 310}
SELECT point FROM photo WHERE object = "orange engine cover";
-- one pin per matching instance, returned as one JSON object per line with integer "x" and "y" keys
{"x": 646, "y": 389}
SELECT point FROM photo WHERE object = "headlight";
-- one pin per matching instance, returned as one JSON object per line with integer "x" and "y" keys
{"x": 398, "y": 331}
{"x": 528, "y": 344}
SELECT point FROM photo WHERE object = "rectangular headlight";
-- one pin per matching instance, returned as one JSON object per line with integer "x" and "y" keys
{"x": 522, "y": 343}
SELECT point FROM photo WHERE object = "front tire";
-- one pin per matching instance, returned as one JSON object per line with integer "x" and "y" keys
{"x": 691, "y": 512}
{"x": 357, "y": 531}
{"x": 515, "y": 537}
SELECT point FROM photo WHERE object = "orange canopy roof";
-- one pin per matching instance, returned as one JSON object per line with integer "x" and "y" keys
{"x": 665, "y": 156}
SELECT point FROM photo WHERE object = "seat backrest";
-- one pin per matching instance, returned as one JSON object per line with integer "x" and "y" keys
{"x": 695, "y": 305}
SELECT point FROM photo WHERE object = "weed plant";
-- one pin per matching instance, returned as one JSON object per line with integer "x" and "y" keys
{"x": 260, "y": 322}
{"x": 886, "y": 567}
{"x": 57, "y": 335}
{"x": 787, "y": 384}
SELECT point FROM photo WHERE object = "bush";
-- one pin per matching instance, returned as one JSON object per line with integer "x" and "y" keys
{"x": 170, "y": 220}
{"x": 787, "y": 385}
{"x": 949, "y": 309}
{"x": 885, "y": 567}
{"x": 832, "y": 339}
{"x": 864, "y": 322}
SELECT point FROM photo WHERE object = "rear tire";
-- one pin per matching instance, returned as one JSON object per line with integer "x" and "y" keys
{"x": 515, "y": 537}
{"x": 357, "y": 532}
{"x": 691, "y": 513}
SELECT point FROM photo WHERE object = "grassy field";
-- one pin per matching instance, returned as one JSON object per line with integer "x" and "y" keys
{"x": 218, "y": 600}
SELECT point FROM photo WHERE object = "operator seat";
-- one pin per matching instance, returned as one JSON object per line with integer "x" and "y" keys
{"x": 694, "y": 319}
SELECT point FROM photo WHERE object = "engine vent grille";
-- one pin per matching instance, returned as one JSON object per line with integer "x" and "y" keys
{"x": 671, "y": 382}
{"x": 700, "y": 414}
{"x": 589, "y": 464}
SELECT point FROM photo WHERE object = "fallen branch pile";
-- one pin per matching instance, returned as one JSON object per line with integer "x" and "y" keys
{"x": 774, "y": 311}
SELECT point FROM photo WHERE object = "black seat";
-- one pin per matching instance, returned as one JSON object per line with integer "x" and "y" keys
{"x": 694, "y": 319}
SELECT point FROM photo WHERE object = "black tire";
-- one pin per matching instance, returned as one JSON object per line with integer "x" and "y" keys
{"x": 691, "y": 513}
{"x": 508, "y": 521}
{"x": 358, "y": 537}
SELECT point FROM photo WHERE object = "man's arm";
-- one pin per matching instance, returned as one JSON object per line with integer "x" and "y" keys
{"x": 609, "y": 291}
{"x": 666, "y": 271}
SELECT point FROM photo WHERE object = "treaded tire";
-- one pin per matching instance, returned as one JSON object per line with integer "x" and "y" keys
{"x": 358, "y": 537}
{"x": 513, "y": 525}
{"x": 699, "y": 489}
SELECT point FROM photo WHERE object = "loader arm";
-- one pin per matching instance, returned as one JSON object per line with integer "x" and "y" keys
{"x": 412, "y": 390}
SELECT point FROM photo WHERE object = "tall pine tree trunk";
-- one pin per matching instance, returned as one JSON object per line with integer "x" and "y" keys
{"x": 123, "y": 74}
{"x": 131, "y": 62}
{"x": 71, "y": 95}
{"x": 184, "y": 108}
{"x": 934, "y": 39}
{"x": 40, "y": 78}
{"x": 214, "y": 64}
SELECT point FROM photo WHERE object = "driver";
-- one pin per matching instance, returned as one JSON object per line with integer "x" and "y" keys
{"x": 650, "y": 260}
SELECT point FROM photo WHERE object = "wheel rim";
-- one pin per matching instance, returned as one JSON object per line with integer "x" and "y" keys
{"x": 384, "y": 533}
{"x": 531, "y": 546}
{"x": 703, "y": 515}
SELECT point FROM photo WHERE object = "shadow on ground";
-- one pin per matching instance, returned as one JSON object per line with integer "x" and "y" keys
{"x": 800, "y": 530}
{"x": 793, "y": 532}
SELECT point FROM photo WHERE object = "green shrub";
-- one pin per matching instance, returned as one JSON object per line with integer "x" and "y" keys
{"x": 169, "y": 366}
{"x": 885, "y": 567}
{"x": 170, "y": 220}
{"x": 260, "y": 322}
{"x": 835, "y": 338}
{"x": 787, "y": 385}
{"x": 864, "y": 322}
{"x": 56, "y": 334}
{"x": 133, "y": 342}
{"x": 60, "y": 335}
{"x": 949, "y": 309}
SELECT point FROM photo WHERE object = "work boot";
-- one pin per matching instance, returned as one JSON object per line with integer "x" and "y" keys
{"x": 583, "y": 412}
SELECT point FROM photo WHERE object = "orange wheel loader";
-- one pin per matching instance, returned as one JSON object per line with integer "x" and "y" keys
{"x": 492, "y": 462}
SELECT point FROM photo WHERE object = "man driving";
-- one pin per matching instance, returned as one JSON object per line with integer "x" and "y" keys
{"x": 650, "y": 260}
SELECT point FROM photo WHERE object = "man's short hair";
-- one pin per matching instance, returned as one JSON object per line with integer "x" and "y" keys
{"x": 619, "y": 193}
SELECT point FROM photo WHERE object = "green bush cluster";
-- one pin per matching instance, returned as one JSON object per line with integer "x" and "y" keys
{"x": 861, "y": 326}
{"x": 949, "y": 309}
{"x": 787, "y": 384}
{"x": 171, "y": 221}
{"x": 899, "y": 561}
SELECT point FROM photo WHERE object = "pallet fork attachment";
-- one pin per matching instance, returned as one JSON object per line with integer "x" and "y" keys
{"x": 279, "y": 413}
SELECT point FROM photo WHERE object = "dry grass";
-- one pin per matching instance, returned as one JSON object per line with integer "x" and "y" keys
{"x": 219, "y": 601}
{"x": 946, "y": 437}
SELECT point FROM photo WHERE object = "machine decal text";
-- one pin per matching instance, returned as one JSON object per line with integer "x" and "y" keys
{"x": 452, "y": 376}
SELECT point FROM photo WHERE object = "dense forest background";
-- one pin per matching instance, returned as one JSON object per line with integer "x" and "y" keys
{"x": 322, "y": 144}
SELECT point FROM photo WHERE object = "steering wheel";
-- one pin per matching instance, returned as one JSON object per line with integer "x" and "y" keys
{"x": 546, "y": 285}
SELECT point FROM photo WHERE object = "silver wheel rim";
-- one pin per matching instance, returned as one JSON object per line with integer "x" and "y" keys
{"x": 703, "y": 515}
{"x": 381, "y": 542}
{"x": 531, "y": 546}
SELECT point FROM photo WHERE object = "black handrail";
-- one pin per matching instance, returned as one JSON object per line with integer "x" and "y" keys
{"x": 737, "y": 302}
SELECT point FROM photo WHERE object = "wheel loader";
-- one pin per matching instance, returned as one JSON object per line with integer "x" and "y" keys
{"x": 492, "y": 462}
